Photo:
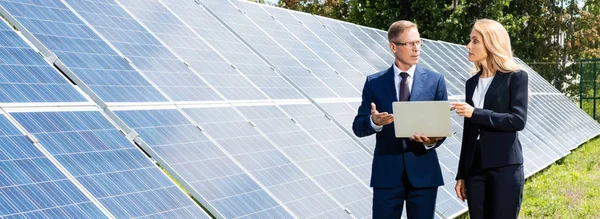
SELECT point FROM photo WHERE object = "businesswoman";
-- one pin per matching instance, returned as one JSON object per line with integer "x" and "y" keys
{"x": 490, "y": 173}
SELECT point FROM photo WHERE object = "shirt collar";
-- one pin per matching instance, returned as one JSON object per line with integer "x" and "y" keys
{"x": 410, "y": 71}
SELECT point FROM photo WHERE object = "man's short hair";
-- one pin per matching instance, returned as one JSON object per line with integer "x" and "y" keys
{"x": 399, "y": 27}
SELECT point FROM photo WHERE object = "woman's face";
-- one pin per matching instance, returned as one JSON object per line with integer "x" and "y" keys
{"x": 477, "y": 51}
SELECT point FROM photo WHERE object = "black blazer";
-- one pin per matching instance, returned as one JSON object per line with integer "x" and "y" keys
{"x": 504, "y": 113}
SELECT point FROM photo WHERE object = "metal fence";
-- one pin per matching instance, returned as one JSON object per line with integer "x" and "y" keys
{"x": 589, "y": 99}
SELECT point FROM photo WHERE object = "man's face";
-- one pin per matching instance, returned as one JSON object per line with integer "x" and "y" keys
{"x": 406, "y": 47}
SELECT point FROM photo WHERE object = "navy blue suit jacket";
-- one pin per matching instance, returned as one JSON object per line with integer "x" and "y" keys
{"x": 504, "y": 113}
{"x": 390, "y": 160}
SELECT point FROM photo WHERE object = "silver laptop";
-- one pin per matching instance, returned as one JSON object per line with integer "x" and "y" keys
{"x": 431, "y": 118}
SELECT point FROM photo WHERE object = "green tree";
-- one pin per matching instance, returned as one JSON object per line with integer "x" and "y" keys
{"x": 337, "y": 9}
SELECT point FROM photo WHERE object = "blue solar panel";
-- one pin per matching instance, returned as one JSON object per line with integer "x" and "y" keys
{"x": 321, "y": 48}
{"x": 233, "y": 49}
{"x": 252, "y": 158}
{"x": 215, "y": 67}
{"x": 26, "y": 77}
{"x": 310, "y": 56}
{"x": 207, "y": 170}
{"x": 536, "y": 82}
{"x": 84, "y": 53}
{"x": 335, "y": 140}
{"x": 152, "y": 58}
{"x": 334, "y": 42}
{"x": 458, "y": 54}
{"x": 378, "y": 37}
{"x": 31, "y": 186}
{"x": 344, "y": 114}
{"x": 115, "y": 171}
{"x": 377, "y": 48}
{"x": 266, "y": 162}
{"x": 354, "y": 42}
{"x": 298, "y": 73}
{"x": 308, "y": 154}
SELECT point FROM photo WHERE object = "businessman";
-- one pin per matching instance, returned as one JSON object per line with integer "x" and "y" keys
{"x": 404, "y": 169}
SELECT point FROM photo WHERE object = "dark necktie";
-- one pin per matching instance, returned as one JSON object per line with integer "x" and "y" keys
{"x": 404, "y": 91}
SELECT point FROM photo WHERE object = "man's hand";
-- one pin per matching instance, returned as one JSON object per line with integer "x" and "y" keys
{"x": 462, "y": 109}
{"x": 461, "y": 190}
{"x": 424, "y": 139}
{"x": 380, "y": 118}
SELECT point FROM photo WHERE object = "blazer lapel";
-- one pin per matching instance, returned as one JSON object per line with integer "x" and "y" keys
{"x": 418, "y": 83}
{"x": 492, "y": 91}
{"x": 471, "y": 88}
{"x": 390, "y": 86}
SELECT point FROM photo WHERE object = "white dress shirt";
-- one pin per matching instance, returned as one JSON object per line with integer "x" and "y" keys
{"x": 397, "y": 80}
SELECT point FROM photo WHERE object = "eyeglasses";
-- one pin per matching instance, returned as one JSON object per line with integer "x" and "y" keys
{"x": 408, "y": 44}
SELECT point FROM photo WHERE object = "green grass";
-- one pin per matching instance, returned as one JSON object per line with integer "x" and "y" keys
{"x": 588, "y": 107}
{"x": 570, "y": 188}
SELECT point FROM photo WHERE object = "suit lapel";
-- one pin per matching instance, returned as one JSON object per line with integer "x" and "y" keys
{"x": 471, "y": 88}
{"x": 418, "y": 83}
{"x": 492, "y": 91}
{"x": 390, "y": 86}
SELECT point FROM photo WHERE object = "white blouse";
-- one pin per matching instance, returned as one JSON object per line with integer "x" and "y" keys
{"x": 480, "y": 91}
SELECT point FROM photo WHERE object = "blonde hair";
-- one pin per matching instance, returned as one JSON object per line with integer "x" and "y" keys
{"x": 398, "y": 27}
{"x": 497, "y": 43}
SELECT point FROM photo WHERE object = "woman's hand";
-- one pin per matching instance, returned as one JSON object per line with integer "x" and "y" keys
{"x": 461, "y": 190}
{"x": 462, "y": 109}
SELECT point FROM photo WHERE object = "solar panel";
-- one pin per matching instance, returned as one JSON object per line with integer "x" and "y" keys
{"x": 298, "y": 50}
{"x": 151, "y": 57}
{"x": 298, "y": 73}
{"x": 459, "y": 55}
{"x": 537, "y": 83}
{"x": 315, "y": 44}
{"x": 188, "y": 44}
{"x": 31, "y": 186}
{"x": 206, "y": 169}
{"x": 80, "y": 51}
{"x": 379, "y": 49}
{"x": 265, "y": 160}
{"x": 356, "y": 44}
{"x": 317, "y": 162}
{"x": 336, "y": 141}
{"x": 455, "y": 78}
{"x": 111, "y": 168}
{"x": 26, "y": 77}
{"x": 315, "y": 26}
{"x": 344, "y": 113}
{"x": 382, "y": 40}
{"x": 259, "y": 126}
{"x": 231, "y": 48}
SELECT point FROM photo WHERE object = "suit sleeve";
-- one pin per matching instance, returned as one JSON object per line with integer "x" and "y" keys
{"x": 461, "y": 161}
{"x": 460, "y": 173}
{"x": 362, "y": 122}
{"x": 440, "y": 94}
{"x": 515, "y": 119}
